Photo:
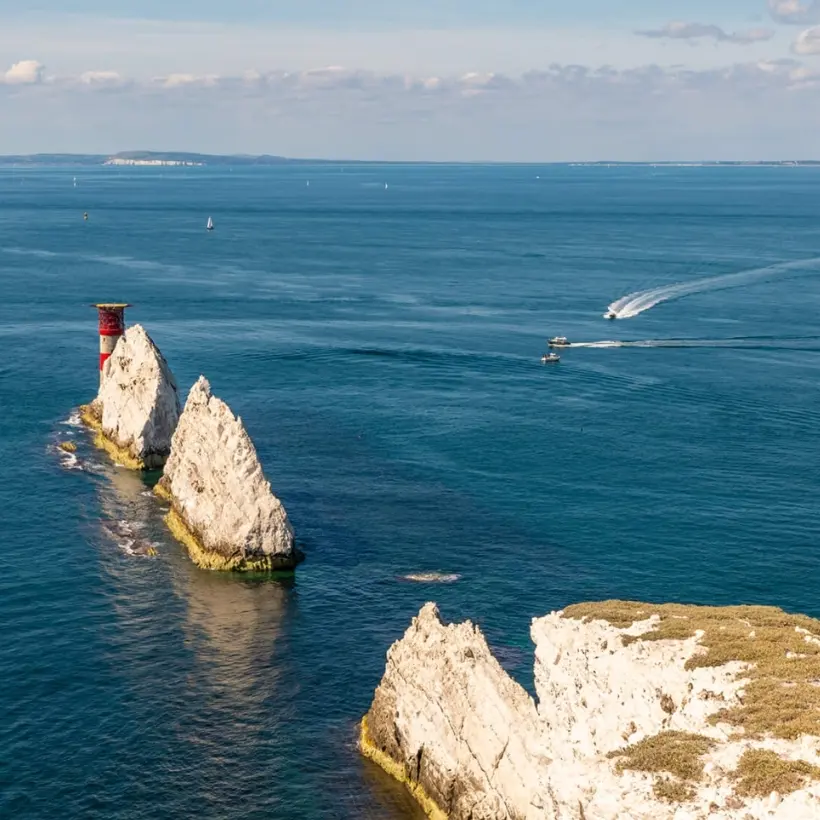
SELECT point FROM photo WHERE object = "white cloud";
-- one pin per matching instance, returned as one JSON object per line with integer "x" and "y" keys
{"x": 808, "y": 42}
{"x": 772, "y": 66}
{"x": 182, "y": 80}
{"x": 26, "y": 72}
{"x": 751, "y": 110}
{"x": 315, "y": 84}
{"x": 795, "y": 12}
{"x": 804, "y": 78}
{"x": 142, "y": 49}
{"x": 101, "y": 78}
{"x": 696, "y": 31}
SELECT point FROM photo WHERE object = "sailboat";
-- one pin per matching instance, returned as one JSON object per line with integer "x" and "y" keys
{"x": 210, "y": 225}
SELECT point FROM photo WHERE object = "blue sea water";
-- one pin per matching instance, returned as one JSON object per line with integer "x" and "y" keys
{"x": 382, "y": 346}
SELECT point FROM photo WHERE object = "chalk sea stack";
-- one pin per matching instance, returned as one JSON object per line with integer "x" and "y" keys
{"x": 643, "y": 712}
{"x": 222, "y": 507}
{"x": 137, "y": 407}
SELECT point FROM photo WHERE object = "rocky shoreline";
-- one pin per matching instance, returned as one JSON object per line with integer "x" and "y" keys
{"x": 643, "y": 712}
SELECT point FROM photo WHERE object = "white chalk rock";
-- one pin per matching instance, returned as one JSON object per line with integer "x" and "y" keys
{"x": 223, "y": 509}
{"x": 137, "y": 408}
{"x": 459, "y": 728}
{"x": 469, "y": 742}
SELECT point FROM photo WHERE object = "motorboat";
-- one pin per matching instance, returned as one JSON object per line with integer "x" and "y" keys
{"x": 611, "y": 315}
{"x": 558, "y": 341}
{"x": 550, "y": 358}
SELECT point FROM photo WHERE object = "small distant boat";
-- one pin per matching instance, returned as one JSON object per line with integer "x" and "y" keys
{"x": 210, "y": 225}
{"x": 559, "y": 341}
{"x": 85, "y": 216}
{"x": 611, "y": 315}
{"x": 550, "y": 358}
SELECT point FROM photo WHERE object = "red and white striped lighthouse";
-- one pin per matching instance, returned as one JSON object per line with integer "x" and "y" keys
{"x": 112, "y": 326}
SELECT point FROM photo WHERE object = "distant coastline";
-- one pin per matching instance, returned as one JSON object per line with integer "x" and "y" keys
{"x": 187, "y": 159}
{"x": 144, "y": 158}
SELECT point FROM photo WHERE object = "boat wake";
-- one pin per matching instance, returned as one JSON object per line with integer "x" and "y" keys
{"x": 738, "y": 343}
{"x": 635, "y": 303}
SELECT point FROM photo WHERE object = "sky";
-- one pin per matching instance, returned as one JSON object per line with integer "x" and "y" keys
{"x": 443, "y": 80}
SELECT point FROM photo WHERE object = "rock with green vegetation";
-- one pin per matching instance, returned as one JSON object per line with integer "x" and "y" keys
{"x": 642, "y": 711}
{"x": 222, "y": 507}
{"x": 137, "y": 407}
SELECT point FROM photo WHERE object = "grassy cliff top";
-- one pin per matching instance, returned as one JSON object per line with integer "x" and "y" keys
{"x": 782, "y": 651}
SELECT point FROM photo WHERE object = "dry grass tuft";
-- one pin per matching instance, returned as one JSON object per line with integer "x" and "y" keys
{"x": 675, "y": 753}
{"x": 761, "y": 772}
{"x": 673, "y": 791}
{"x": 783, "y": 696}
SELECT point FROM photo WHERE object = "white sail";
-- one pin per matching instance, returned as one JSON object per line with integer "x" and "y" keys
{"x": 210, "y": 224}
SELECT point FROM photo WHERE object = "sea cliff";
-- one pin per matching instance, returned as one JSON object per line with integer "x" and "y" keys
{"x": 222, "y": 507}
{"x": 137, "y": 407}
{"x": 643, "y": 712}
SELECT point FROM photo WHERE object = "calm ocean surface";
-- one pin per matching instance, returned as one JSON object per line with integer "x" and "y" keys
{"x": 382, "y": 346}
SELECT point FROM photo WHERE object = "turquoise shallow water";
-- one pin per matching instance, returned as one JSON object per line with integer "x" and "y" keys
{"x": 382, "y": 346}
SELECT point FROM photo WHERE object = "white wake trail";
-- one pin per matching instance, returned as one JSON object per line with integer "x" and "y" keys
{"x": 737, "y": 343}
{"x": 635, "y": 303}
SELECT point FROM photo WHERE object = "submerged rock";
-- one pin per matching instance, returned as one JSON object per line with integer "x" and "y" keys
{"x": 222, "y": 507}
{"x": 643, "y": 712}
{"x": 137, "y": 408}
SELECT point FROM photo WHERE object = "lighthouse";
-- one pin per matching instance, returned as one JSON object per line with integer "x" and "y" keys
{"x": 112, "y": 326}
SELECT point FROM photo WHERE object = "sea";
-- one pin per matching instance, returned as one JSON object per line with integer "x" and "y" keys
{"x": 379, "y": 329}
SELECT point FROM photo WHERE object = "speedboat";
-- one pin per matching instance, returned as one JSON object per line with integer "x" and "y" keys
{"x": 558, "y": 341}
{"x": 550, "y": 358}
{"x": 611, "y": 315}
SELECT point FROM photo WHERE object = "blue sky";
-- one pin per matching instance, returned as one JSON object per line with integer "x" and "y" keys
{"x": 453, "y": 79}
{"x": 458, "y": 12}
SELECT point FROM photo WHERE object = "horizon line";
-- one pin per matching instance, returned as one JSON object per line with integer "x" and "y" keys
{"x": 139, "y": 156}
